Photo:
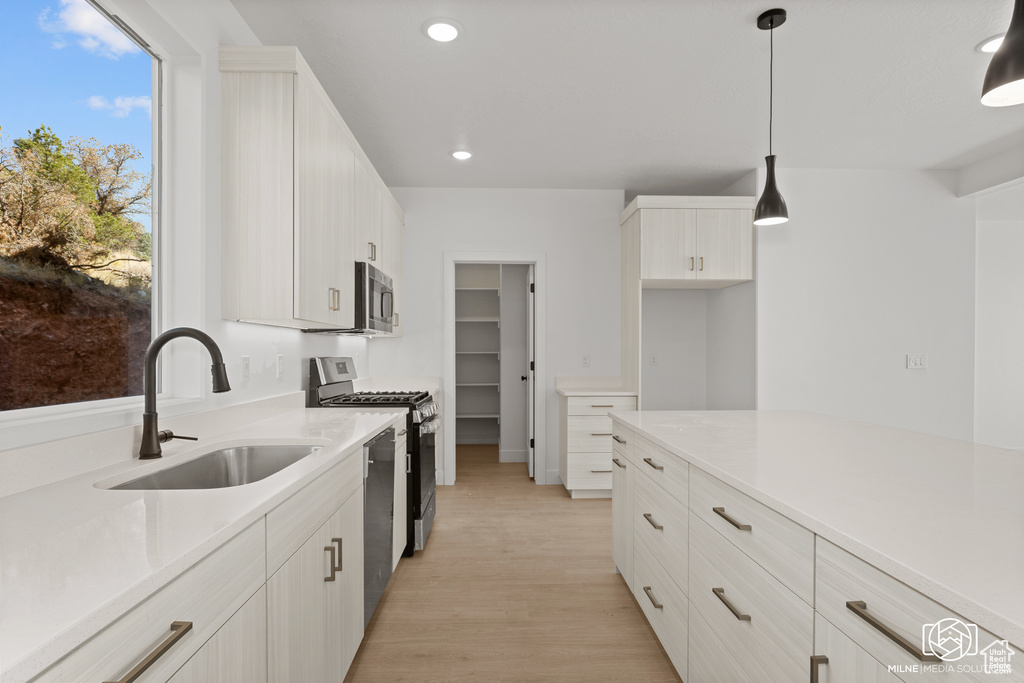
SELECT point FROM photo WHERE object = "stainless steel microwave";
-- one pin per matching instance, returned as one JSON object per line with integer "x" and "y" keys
{"x": 375, "y": 299}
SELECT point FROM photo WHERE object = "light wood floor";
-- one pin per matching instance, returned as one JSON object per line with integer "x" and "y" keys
{"x": 516, "y": 584}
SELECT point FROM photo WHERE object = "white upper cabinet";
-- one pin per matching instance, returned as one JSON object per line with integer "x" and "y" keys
{"x": 693, "y": 242}
{"x": 301, "y": 202}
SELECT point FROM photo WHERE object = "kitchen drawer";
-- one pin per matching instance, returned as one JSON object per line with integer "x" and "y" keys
{"x": 775, "y": 542}
{"x": 600, "y": 405}
{"x": 846, "y": 661}
{"x": 710, "y": 660}
{"x": 590, "y": 434}
{"x": 622, "y": 440}
{"x": 663, "y": 604}
{"x": 589, "y": 471}
{"x": 771, "y": 624}
{"x": 898, "y": 609}
{"x": 663, "y": 523}
{"x": 665, "y": 469}
{"x": 206, "y": 595}
{"x": 296, "y": 519}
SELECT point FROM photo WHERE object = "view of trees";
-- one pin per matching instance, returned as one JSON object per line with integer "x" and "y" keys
{"x": 71, "y": 207}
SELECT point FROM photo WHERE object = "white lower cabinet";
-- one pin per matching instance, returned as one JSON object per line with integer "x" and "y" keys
{"x": 315, "y": 602}
{"x": 840, "y": 660}
{"x": 664, "y": 605}
{"x": 401, "y": 509}
{"x": 622, "y": 515}
{"x": 237, "y": 653}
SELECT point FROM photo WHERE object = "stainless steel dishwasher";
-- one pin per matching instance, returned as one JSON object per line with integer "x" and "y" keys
{"x": 378, "y": 517}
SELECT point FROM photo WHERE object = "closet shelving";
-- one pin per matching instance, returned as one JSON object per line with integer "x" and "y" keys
{"x": 477, "y": 352}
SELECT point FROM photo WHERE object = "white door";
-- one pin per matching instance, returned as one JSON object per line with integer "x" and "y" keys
{"x": 531, "y": 345}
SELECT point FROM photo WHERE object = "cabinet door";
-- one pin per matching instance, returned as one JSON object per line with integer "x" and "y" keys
{"x": 668, "y": 244}
{"x": 367, "y": 242}
{"x": 324, "y": 186}
{"x": 401, "y": 533}
{"x": 846, "y": 661}
{"x": 237, "y": 653}
{"x": 622, "y": 515}
{"x": 725, "y": 249}
{"x": 391, "y": 253}
{"x": 344, "y": 607}
{"x": 297, "y": 598}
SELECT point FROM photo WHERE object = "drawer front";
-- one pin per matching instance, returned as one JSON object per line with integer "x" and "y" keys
{"x": 589, "y": 471}
{"x": 898, "y": 611}
{"x": 600, "y": 405}
{"x": 775, "y": 542}
{"x": 665, "y": 469}
{"x": 670, "y": 620}
{"x": 663, "y": 524}
{"x": 771, "y": 623}
{"x": 206, "y": 595}
{"x": 295, "y": 520}
{"x": 710, "y": 660}
{"x": 847, "y": 662}
{"x": 590, "y": 434}
{"x": 622, "y": 440}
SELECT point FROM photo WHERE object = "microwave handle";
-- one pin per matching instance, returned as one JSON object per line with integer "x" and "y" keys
{"x": 387, "y": 304}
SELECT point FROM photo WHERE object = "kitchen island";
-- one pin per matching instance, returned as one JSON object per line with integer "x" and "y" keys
{"x": 836, "y": 499}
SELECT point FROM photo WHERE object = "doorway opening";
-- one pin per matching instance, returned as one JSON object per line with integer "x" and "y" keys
{"x": 493, "y": 361}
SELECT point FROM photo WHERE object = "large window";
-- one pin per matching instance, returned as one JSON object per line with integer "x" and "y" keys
{"x": 76, "y": 195}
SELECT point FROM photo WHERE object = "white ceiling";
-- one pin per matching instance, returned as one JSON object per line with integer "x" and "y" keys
{"x": 649, "y": 95}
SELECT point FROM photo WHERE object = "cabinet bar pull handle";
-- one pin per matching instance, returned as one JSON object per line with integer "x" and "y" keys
{"x": 178, "y": 629}
{"x": 650, "y": 518}
{"x": 816, "y": 662}
{"x": 702, "y": 263}
{"x": 657, "y": 605}
{"x": 721, "y": 513}
{"x": 616, "y": 461}
{"x": 330, "y": 298}
{"x": 341, "y": 557}
{"x": 691, "y": 263}
{"x": 651, "y": 463}
{"x": 334, "y": 561}
{"x": 600, "y": 434}
{"x": 620, "y": 440}
{"x": 608, "y": 406}
{"x": 600, "y": 471}
{"x": 403, "y": 432}
{"x": 720, "y": 594}
{"x": 860, "y": 608}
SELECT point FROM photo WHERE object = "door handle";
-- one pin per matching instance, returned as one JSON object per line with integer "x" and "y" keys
{"x": 657, "y": 605}
{"x": 650, "y": 518}
{"x": 691, "y": 263}
{"x": 721, "y": 513}
{"x": 860, "y": 608}
{"x": 816, "y": 662}
{"x": 702, "y": 263}
{"x": 523, "y": 378}
{"x": 178, "y": 629}
{"x": 653, "y": 464}
{"x": 720, "y": 594}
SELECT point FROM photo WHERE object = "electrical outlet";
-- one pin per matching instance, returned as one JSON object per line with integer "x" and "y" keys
{"x": 654, "y": 359}
{"x": 280, "y": 365}
{"x": 245, "y": 368}
{"x": 917, "y": 362}
{"x": 586, "y": 360}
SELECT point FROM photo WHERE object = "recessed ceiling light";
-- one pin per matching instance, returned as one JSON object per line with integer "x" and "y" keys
{"x": 991, "y": 44}
{"x": 442, "y": 30}
{"x": 462, "y": 154}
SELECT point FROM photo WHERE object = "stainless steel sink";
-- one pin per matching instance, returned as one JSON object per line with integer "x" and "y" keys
{"x": 222, "y": 468}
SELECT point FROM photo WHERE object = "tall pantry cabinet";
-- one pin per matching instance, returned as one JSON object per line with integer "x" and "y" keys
{"x": 300, "y": 201}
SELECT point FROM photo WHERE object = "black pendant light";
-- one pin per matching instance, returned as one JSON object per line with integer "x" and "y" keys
{"x": 1004, "y": 80}
{"x": 771, "y": 207}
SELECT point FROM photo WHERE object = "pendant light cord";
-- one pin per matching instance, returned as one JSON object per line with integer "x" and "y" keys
{"x": 771, "y": 83}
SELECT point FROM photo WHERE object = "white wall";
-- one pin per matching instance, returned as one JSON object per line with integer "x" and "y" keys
{"x": 577, "y": 230}
{"x": 999, "y": 334}
{"x": 872, "y": 265}
{"x": 732, "y": 347}
{"x": 675, "y": 329}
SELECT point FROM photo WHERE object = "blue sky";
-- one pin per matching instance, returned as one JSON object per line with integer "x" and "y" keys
{"x": 64, "y": 65}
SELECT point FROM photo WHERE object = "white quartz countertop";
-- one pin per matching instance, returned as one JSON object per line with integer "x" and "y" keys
{"x": 74, "y": 556}
{"x": 594, "y": 392}
{"x": 944, "y": 516}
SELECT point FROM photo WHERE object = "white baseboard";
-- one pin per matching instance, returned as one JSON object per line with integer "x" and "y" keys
{"x": 511, "y": 456}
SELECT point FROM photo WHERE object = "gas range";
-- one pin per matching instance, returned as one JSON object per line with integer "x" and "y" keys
{"x": 331, "y": 385}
